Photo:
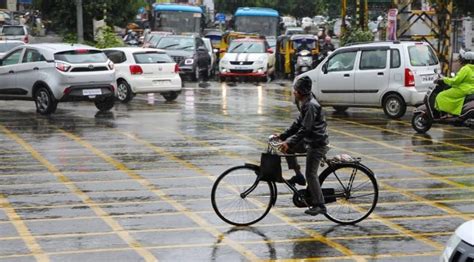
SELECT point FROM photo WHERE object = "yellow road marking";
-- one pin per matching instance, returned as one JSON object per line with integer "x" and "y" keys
{"x": 151, "y": 187}
{"x": 22, "y": 230}
{"x": 84, "y": 197}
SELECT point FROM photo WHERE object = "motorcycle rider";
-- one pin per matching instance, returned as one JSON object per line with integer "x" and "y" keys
{"x": 451, "y": 101}
{"x": 327, "y": 46}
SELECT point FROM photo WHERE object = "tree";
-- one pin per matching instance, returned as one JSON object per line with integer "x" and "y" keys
{"x": 61, "y": 13}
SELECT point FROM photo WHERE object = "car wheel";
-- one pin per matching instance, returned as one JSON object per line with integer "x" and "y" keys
{"x": 170, "y": 96}
{"x": 45, "y": 102}
{"x": 104, "y": 103}
{"x": 340, "y": 109}
{"x": 394, "y": 106}
{"x": 421, "y": 123}
{"x": 124, "y": 92}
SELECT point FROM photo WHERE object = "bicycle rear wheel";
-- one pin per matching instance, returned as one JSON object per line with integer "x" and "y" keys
{"x": 239, "y": 198}
{"x": 351, "y": 192}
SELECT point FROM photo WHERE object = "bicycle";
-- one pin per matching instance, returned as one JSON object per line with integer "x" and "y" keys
{"x": 244, "y": 195}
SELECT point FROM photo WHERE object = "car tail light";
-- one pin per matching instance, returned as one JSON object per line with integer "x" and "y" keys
{"x": 62, "y": 66}
{"x": 409, "y": 78}
{"x": 136, "y": 70}
{"x": 176, "y": 68}
{"x": 26, "y": 40}
{"x": 67, "y": 90}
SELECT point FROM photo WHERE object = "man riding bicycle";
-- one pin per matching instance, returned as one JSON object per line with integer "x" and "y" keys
{"x": 307, "y": 134}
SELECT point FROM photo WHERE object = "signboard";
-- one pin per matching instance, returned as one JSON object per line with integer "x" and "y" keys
{"x": 220, "y": 17}
{"x": 11, "y": 5}
{"x": 392, "y": 24}
{"x": 25, "y": 2}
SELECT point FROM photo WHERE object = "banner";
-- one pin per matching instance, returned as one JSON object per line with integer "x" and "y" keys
{"x": 392, "y": 24}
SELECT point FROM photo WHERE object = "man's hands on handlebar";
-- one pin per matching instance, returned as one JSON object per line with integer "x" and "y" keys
{"x": 282, "y": 145}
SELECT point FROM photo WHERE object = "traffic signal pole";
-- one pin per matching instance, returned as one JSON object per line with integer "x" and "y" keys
{"x": 80, "y": 22}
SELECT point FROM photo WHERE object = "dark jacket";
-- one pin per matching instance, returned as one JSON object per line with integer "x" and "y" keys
{"x": 309, "y": 126}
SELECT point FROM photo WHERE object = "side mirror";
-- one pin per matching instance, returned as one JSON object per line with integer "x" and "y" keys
{"x": 325, "y": 68}
{"x": 270, "y": 51}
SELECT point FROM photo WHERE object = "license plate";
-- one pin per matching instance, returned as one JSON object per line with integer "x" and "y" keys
{"x": 240, "y": 67}
{"x": 160, "y": 82}
{"x": 429, "y": 78}
{"x": 92, "y": 92}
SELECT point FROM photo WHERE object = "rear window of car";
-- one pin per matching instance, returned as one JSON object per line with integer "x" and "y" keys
{"x": 81, "y": 56}
{"x": 13, "y": 30}
{"x": 116, "y": 56}
{"x": 5, "y": 47}
{"x": 152, "y": 58}
{"x": 422, "y": 55}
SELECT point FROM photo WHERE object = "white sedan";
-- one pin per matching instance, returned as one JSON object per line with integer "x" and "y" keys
{"x": 248, "y": 57}
{"x": 144, "y": 70}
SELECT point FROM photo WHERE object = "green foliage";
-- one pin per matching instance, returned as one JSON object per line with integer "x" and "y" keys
{"x": 62, "y": 13}
{"x": 107, "y": 38}
{"x": 356, "y": 36}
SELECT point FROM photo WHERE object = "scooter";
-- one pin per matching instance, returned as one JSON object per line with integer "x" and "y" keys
{"x": 304, "y": 62}
{"x": 426, "y": 115}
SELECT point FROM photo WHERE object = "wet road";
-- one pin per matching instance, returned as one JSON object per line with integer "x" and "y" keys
{"x": 134, "y": 184}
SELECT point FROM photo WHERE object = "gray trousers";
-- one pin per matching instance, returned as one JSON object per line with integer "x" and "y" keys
{"x": 313, "y": 159}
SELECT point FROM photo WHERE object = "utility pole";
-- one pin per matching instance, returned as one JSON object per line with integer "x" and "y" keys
{"x": 80, "y": 23}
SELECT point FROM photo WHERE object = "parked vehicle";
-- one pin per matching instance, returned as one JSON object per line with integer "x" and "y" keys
{"x": 391, "y": 75}
{"x": 6, "y": 46}
{"x": 52, "y": 73}
{"x": 426, "y": 115}
{"x": 144, "y": 70}
{"x": 460, "y": 246}
{"x": 16, "y": 32}
{"x": 189, "y": 52}
{"x": 248, "y": 57}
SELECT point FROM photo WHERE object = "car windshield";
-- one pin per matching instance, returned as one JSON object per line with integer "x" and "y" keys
{"x": 5, "y": 47}
{"x": 176, "y": 43}
{"x": 13, "y": 30}
{"x": 152, "y": 58}
{"x": 422, "y": 55}
{"x": 246, "y": 47}
{"x": 80, "y": 56}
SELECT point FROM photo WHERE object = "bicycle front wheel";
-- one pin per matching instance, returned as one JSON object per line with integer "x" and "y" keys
{"x": 351, "y": 192}
{"x": 239, "y": 198}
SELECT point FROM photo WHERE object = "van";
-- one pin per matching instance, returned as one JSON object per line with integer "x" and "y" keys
{"x": 391, "y": 75}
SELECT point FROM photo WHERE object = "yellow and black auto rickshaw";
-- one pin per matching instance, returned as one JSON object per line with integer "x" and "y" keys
{"x": 297, "y": 54}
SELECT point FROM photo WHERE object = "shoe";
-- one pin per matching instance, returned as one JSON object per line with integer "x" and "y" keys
{"x": 297, "y": 179}
{"x": 316, "y": 210}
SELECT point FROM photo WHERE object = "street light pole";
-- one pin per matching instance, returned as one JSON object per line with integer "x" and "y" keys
{"x": 80, "y": 23}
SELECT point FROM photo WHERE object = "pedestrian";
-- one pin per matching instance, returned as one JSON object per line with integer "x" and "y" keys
{"x": 307, "y": 134}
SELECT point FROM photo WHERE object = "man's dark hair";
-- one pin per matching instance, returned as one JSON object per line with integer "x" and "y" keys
{"x": 303, "y": 85}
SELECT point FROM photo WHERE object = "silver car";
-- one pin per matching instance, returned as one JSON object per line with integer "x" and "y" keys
{"x": 52, "y": 73}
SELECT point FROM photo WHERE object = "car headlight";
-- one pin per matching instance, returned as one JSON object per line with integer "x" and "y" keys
{"x": 453, "y": 242}
{"x": 189, "y": 61}
{"x": 260, "y": 61}
{"x": 224, "y": 62}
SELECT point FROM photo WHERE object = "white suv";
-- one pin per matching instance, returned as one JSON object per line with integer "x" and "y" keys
{"x": 52, "y": 73}
{"x": 391, "y": 75}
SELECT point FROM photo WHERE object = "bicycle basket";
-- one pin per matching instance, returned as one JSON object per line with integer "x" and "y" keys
{"x": 270, "y": 167}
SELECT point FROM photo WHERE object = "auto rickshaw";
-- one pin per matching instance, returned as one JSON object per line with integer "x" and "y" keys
{"x": 297, "y": 54}
{"x": 227, "y": 37}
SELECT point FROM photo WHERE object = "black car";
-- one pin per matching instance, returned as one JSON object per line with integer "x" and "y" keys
{"x": 189, "y": 52}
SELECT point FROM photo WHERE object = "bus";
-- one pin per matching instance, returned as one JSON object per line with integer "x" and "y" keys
{"x": 257, "y": 20}
{"x": 178, "y": 18}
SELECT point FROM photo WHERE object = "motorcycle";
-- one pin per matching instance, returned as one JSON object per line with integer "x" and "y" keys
{"x": 304, "y": 62}
{"x": 426, "y": 115}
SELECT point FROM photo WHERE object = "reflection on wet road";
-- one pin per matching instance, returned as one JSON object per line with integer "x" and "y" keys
{"x": 134, "y": 184}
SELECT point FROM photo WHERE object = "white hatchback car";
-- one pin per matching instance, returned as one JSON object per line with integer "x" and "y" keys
{"x": 248, "y": 57}
{"x": 144, "y": 70}
{"x": 52, "y": 73}
{"x": 391, "y": 75}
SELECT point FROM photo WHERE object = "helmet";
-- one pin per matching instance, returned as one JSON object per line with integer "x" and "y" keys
{"x": 303, "y": 85}
{"x": 466, "y": 56}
